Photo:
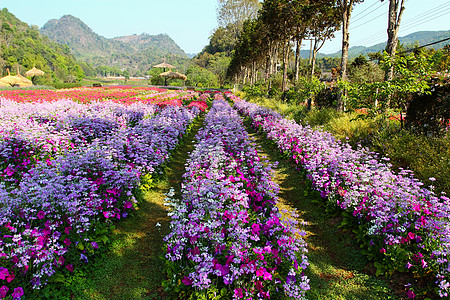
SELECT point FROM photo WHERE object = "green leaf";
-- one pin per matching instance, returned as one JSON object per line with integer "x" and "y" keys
{"x": 80, "y": 246}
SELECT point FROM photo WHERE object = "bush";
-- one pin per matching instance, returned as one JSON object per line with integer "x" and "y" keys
{"x": 318, "y": 117}
{"x": 430, "y": 113}
{"x": 326, "y": 98}
{"x": 427, "y": 157}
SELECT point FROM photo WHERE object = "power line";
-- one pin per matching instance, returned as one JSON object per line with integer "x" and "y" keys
{"x": 423, "y": 46}
{"x": 428, "y": 15}
{"x": 362, "y": 17}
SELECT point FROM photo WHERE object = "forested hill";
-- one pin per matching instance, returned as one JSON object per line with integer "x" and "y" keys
{"x": 128, "y": 52}
{"x": 22, "y": 46}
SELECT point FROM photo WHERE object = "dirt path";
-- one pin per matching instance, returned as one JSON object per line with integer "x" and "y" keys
{"x": 337, "y": 268}
{"x": 133, "y": 269}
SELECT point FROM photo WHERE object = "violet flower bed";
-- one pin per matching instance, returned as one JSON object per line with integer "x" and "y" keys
{"x": 228, "y": 238}
{"x": 60, "y": 191}
{"x": 404, "y": 226}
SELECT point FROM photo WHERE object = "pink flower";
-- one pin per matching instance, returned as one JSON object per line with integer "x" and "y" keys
{"x": 18, "y": 292}
{"x": 67, "y": 230}
{"x": 186, "y": 280}
{"x": 260, "y": 271}
{"x": 10, "y": 277}
{"x": 382, "y": 250}
{"x": 267, "y": 276}
{"x": 9, "y": 171}
{"x": 238, "y": 293}
{"x": 70, "y": 268}
{"x": 40, "y": 215}
{"x": 411, "y": 235}
{"x": 3, "y": 291}
{"x": 3, "y": 273}
{"x": 255, "y": 229}
{"x": 410, "y": 294}
{"x": 67, "y": 242}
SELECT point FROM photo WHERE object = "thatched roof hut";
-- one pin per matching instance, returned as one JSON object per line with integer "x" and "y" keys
{"x": 22, "y": 81}
{"x": 164, "y": 65}
{"x": 9, "y": 80}
{"x": 173, "y": 75}
{"x": 34, "y": 72}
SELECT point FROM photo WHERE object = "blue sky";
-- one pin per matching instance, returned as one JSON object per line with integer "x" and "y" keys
{"x": 191, "y": 22}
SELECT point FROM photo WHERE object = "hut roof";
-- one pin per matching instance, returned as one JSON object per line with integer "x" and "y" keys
{"x": 164, "y": 65}
{"x": 171, "y": 74}
{"x": 34, "y": 72}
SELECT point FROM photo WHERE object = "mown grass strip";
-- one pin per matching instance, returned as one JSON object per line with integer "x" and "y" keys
{"x": 132, "y": 268}
{"x": 338, "y": 270}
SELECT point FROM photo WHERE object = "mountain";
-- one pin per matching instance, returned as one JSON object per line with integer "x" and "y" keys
{"x": 136, "y": 53}
{"x": 21, "y": 46}
{"x": 416, "y": 38}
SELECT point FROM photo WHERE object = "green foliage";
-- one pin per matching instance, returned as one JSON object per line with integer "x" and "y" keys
{"x": 200, "y": 77}
{"x": 426, "y": 156}
{"x": 319, "y": 117}
{"x": 23, "y": 47}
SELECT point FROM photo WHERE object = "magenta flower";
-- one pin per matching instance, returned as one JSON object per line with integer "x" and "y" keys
{"x": 70, "y": 268}
{"x": 3, "y": 273}
{"x": 40, "y": 215}
{"x": 186, "y": 280}
{"x": 410, "y": 294}
{"x": 382, "y": 250}
{"x": 3, "y": 291}
{"x": 10, "y": 277}
{"x": 255, "y": 229}
{"x": 238, "y": 293}
{"x": 18, "y": 292}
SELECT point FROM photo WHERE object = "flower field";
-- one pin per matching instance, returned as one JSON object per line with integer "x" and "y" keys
{"x": 72, "y": 161}
{"x": 68, "y": 169}
{"x": 402, "y": 225}
{"x": 228, "y": 239}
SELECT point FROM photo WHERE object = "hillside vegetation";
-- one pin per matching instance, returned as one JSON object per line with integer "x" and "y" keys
{"x": 135, "y": 53}
{"x": 21, "y": 46}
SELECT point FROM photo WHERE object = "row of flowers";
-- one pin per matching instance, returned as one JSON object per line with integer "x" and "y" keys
{"x": 228, "y": 238}
{"x": 86, "y": 95}
{"x": 404, "y": 226}
{"x": 68, "y": 170}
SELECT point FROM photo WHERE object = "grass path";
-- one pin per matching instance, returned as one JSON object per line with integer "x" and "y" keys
{"x": 337, "y": 269}
{"x": 132, "y": 269}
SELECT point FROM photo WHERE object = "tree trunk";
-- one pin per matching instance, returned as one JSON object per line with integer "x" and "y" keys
{"x": 310, "y": 51}
{"x": 297, "y": 55}
{"x": 346, "y": 14}
{"x": 285, "y": 62}
{"x": 314, "y": 54}
{"x": 396, "y": 9}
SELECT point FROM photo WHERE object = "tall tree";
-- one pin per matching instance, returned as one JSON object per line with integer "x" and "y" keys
{"x": 396, "y": 8}
{"x": 324, "y": 22}
{"x": 346, "y": 7}
{"x": 235, "y": 12}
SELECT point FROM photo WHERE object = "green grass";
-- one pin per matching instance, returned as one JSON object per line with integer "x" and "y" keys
{"x": 337, "y": 270}
{"x": 132, "y": 267}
